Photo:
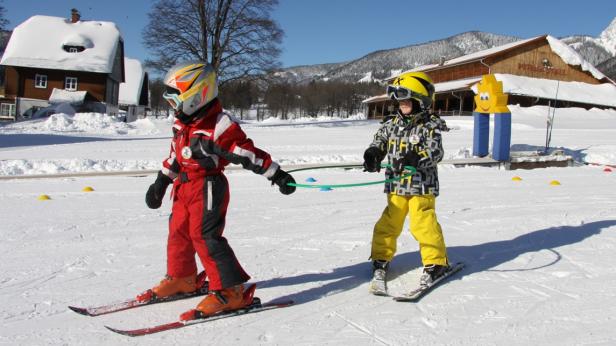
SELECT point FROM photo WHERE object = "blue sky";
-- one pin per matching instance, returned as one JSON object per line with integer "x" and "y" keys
{"x": 326, "y": 31}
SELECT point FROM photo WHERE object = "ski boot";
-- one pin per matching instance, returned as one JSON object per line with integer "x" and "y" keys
{"x": 216, "y": 302}
{"x": 431, "y": 273}
{"x": 170, "y": 286}
{"x": 378, "y": 284}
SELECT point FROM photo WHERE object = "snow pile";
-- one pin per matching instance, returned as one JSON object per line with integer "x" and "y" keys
{"x": 90, "y": 124}
{"x": 97, "y": 123}
{"x": 600, "y": 154}
{"x": 31, "y": 167}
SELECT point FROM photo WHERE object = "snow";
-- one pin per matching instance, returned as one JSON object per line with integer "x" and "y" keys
{"x": 596, "y": 94}
{"x": 571, "y": 57}
{"x": 455, "y": 84}
{"x": 72, "y": 97}
{"x": 130, "y": 91}
{"x": 608, "y": 37}
{"x": 367, "y": 78}
{"x": 38, "y": 42}
{"x": 538, "y": 256}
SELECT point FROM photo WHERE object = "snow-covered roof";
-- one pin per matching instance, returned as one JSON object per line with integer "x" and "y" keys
{"x": 571, "y": 57}
{"x": 566, "y": 53}
{"x": 595, "y": 94}
{"x": 377, "y": 98}
{"x": 477, "y": 55}
{"x": 455, "y": 84}
{"x": 130, "y": 91}
{"x": 39, "y": 41}
{"x": 72, "y": 97}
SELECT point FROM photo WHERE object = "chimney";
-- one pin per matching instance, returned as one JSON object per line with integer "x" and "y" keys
{"x": 441, "y": 62}
{"x": 75, "y": 16}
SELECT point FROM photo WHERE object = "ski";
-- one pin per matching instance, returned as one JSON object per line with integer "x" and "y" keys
{"x": 255, "y": 306}
{"x": 135, "y": 303}
{"x": 418, "y": 293}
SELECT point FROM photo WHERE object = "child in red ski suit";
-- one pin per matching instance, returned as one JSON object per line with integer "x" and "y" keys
{"x": 205, "y": 140}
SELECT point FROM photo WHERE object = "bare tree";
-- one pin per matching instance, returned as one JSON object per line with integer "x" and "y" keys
{"x": 237, "y": 37}
{"x": 157, "y": 104}
{"x": 3, "y": 21}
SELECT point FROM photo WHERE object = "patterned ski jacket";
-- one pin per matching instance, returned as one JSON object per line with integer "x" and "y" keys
{"x": 421, "y": 133}
{"x": 207, "y": 145}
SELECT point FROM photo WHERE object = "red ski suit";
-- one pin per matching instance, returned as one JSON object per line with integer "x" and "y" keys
{"x": 199, "y": 153}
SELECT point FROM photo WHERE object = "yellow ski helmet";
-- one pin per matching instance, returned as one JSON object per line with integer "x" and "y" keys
{"x": 190, "y": 86}
{"x": 412, "y": 85}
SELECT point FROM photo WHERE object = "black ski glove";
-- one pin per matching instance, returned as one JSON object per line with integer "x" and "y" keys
{"x": 372, "y": 159}
{"x": 282, "y": 178}
{"x": 411, "y": 158}
{"x": 156, "y": 192}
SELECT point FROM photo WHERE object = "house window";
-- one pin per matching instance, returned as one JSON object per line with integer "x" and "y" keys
{"x": 40, "y": 81}
{"x": 70, "y": 83}
{"x": 7, "y": 110}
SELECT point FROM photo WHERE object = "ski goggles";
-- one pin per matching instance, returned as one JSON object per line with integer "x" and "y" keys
{"x": 173, "y": 98}
{"x": 399, "y": 93}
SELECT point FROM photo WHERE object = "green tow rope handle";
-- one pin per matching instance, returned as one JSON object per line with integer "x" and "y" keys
{"x": 411, "y": 170}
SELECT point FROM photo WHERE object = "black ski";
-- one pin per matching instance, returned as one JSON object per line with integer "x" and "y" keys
{"x": 418, "y": 293}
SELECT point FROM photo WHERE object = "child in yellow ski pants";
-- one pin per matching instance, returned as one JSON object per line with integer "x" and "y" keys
{"x": 423, "y": 225}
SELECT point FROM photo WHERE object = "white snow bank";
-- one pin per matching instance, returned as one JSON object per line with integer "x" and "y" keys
{"x": 83, "y": 123}
{"x": 32, "y": 167}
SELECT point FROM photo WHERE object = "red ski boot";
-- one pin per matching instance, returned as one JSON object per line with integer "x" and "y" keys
{"x": 170, "y": 286}
{"x": 227, "y": 299}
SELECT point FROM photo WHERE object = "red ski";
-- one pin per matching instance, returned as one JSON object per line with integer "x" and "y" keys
{"x": 192, "y": 317}
{"x": 135, "y": 303}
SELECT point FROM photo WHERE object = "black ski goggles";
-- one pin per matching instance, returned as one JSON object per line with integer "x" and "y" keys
{"x": 398, "y": 92}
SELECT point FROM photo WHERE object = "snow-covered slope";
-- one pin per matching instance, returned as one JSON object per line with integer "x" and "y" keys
{"x": 538, "y": 256}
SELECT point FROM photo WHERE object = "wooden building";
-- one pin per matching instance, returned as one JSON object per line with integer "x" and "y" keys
{"x": 538, "y": 59}
{"x": 46, "y": 53}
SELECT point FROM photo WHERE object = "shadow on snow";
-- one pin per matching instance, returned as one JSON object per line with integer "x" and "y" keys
{"x": 478, "y": 258}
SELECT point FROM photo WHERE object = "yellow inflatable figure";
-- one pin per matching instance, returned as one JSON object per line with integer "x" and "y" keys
{"x": 490, "y": 97}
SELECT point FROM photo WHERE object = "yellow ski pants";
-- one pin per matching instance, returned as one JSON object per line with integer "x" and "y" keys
{"x": 423, "y": 224}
